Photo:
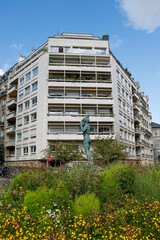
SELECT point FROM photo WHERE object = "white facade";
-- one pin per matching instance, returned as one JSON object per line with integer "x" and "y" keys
{"x": 50, "y": 91}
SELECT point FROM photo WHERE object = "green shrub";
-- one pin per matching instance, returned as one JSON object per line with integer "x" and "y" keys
{"x": 86, "y": 204}
{"x": 35, "y": 201}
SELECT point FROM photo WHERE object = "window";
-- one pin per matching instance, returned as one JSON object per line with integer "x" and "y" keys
{"x": 19, "y": 122}
{"x": 119, "y": 89}
{"x": 122, "y": 79}
{"x": 25, "y": 135}
{"x": 56, "y": 129}
{"x": 121, "y": 133}
{"x": 26, "y": 104}
{"x": 117, "y": 73}
{"x": 21, "y": 94}
{"x": 122, "y": 91}
{"x": 157, "y": 143}
{"x": 34, "y": 101}
{"x": 21, "y": 81}
{"x": 120, "y": 117}
{"x": 127, "y": 96}
{"x": 72, "y": 111}
{"x": 124, "y": 106}
{"x": 56, "y": 111}
{"x": 125, "y": 120}
{"x": 33, "y": 117}
{"x": 19, "y": 137}
{"x": 89, "y": 111}
{"x": 119, "y": 103}
{"x": 35, "y": 71}
{"x": 67, "y": 49}
{"x": 101, "y": 51}
{"x": 104, "y": 111}
{"x": 18, "y": 152}
{"x": 104, "y": 128}
{"x": 55, "y": 49}
{"x": 125, "y": 83}
{"x": 33, "y": 133}
{"x": 28, "y": 76}
{"x": 129, "y": 86}
{"x": 26, "y": 119}
{"x": 33, "y": 149}
{"x": 3, "y": 103}
{"x": 20, "y": 108}
{"x": 155, "y": 131}
{"x": 34, "y": 86}
{"x": 27, "y": 90}
{"x": 72, "y": 129}
{"x": 25, "y": 150}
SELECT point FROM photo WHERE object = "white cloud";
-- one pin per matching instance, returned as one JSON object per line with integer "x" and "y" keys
{"x": 142, "y": 14}
{"x": 116, "y": 44}
{"x": 1, "y": 71}
{"x": 16, "y": 46}
{"x": 5, "y": 67}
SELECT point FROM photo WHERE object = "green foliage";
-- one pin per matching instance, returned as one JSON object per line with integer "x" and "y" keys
{"x": 126, "y": 177}
{"x": 63, "y": 152}
{"x": 86, "y": 204}
{"x": 147, "y": 183}
{"x": 35, "y": 201}
{"x": 108, "y": 150}
{"x": 105, "y": 37}
{"x": 29, "y": 180}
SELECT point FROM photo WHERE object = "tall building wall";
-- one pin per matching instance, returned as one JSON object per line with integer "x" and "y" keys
{"x": 69, "y": 77}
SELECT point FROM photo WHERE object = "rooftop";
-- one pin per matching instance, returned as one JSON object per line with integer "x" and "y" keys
{"x": 155, "y": 125}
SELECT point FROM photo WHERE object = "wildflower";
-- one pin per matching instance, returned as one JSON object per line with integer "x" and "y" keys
{"x": 14, "y": 192}
{"x": 70, "y": 196}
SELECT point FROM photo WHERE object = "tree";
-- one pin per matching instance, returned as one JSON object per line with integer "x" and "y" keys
{"x": 63, "y": 152}
{"x": 108, "y": 150}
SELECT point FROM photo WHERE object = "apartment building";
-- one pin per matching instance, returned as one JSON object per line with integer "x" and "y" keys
{"x": 156, "y": 141}
{"x": 68, "y": 77}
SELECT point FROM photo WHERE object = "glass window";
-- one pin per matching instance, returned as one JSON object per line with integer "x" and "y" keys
{"x": 26, "y": 119}
{"x": 26, "y": 104}
{"x": 122, "y": 79}
{"x": 125, "y": 83}
{"x": 89, "y": 111}
{"x": 117, "y": 73}
{"x": 119, "y": 89}
{"x": 25, "y": 150}
{"x": 28, "y": 76}
{"x": 56, "y": 129}
{"x": 119, "y": 103}
{"x": 56, "y": 111}
{"x": 104, "y": 128}
{"x": 122, "y": 91}
{"x": 157, "y": 143}
{"x": 72, "y": 111}
{"x": 101, "y": 51}
{"x": 27, "y": 90}
{"x": 55, "y": 49}
{"x": 19, "y": 137}
{"x": 35, "y": 71}
{"x": 120, "y": 117}
{"x": 155, "y": 131}
{"x": 67, "y": 49}
{"x": 33, "y": 117}
{"x": 34, "y": 101}
{"x": 21, "y": 94}
{"x": 21, "y": 81}
{"x": 20, "y": 108}
{"x": 33, "y": 149}
{"x": 34, "y": 86}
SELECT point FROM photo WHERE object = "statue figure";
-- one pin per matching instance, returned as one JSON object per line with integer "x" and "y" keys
{"x": 85, "y": 128}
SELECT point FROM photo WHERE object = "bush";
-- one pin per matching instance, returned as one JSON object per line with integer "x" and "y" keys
{"x": 108, "y": 150}
{"x": 86, "y": 204}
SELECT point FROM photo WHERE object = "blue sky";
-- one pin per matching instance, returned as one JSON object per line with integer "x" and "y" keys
{"x": 133, "y": 27}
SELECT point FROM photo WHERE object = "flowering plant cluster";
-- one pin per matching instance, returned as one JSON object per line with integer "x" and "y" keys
{"x": 120, "y": 202}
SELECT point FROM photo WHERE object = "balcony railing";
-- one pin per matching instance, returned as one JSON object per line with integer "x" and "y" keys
{"x": 12, "y": 102}
{"x": 80, "y": 80}
{"x": 11, "y": 116}
{"x": 11, "y": 129}
{"x": 12, "y": 90}
{"x": 10, "y": 143}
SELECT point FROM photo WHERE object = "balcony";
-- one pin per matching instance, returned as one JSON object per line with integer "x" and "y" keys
{"x": 13, "y": 91}
{"x": 11, "y": 116}
{"x": 10, "y": 143}
{"x": 12, "y": 103}
{"x": 10, "y": 129}
{"x": 3, "y": 92}
{"x": 136, "y": 107}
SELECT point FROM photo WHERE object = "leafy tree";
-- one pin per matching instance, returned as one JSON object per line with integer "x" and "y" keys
{"x": 108, "y": 150}
{"x": 63, "y": 152}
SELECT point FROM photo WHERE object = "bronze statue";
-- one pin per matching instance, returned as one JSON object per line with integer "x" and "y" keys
{"x": 85, "y": 128}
